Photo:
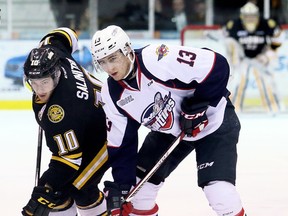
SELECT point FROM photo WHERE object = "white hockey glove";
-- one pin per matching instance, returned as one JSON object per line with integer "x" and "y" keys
{"x": 266, "y": 57}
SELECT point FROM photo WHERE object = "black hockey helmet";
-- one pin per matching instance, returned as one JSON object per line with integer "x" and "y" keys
{"x": 40, "y": 63}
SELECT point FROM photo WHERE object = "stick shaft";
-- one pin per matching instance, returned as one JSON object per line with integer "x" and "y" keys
{"x": 39, "y": 154}
{"x": 140, "y": 184}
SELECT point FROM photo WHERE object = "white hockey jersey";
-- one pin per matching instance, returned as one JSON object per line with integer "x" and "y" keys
{"x": 164, "y": 76}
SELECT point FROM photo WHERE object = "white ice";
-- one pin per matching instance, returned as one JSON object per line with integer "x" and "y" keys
{"x": 262, "y": 175}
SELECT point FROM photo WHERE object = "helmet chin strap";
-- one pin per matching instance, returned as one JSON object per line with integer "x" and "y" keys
{"x": 132, "y": 60}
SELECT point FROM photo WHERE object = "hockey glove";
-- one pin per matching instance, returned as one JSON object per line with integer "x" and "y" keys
{"x": 266, "y": 57}
{"x": 115, "y": 195}
{"x": 42, "y": 201}
{"x": 193, "y": 118}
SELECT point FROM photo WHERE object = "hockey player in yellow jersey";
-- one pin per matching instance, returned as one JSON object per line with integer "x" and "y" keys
{"x": 67, "y": 106}
{"x": 252, "y": 48}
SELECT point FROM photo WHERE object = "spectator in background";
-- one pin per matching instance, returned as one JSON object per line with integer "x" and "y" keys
{"x": 252, "y": 42}
{"x": 279, "y": 11}
{"x": 162, "y": 19}
{"x": 198, "y": 12}
{"x": 133, "y": 17}
{"x": 69, "y": 12}
{"x": 179, "y": 18}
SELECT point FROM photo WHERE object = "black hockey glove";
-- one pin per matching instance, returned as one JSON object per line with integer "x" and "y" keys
{"x": 115, "y": 195}
{"x": 42, "y": 201}
{"x": 193, "y": 118}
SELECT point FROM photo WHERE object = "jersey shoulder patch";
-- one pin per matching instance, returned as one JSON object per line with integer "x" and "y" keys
{"x": 55, "y": 113}
{"x": 230, "y": 24}
{"x": 61, "y": 36}
{"x": 271, "y": 23}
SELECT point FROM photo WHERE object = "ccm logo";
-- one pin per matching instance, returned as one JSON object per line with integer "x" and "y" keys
{"x": 194, "y": 116}
{"x": 46, "y": 202}
{"x": 205, "y": 165}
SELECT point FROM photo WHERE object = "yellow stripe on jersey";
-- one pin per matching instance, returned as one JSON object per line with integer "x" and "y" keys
{"x": 96, "y": 203}
{"x": 65, "y": 34}
{"x": 63, "y": 205}
{"x": 62, "y": 160}
{"x": 74, "y": 156}
{"x": 92, "y": 168}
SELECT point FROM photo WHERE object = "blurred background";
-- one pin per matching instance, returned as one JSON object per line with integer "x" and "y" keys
{"x": 24, "y": 22}
{"x": 30, "y": 19}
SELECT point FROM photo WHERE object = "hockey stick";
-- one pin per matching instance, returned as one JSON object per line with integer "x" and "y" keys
{"x": 39, "y": 154}
{"x": 140, "y": 184}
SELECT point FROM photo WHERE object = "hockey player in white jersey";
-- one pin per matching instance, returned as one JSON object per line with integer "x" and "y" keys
{"x": 168, "y": 89}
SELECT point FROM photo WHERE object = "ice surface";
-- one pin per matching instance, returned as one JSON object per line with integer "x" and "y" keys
{"x": 262, "y": 174}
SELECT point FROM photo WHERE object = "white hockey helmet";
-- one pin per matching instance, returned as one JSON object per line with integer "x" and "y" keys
{"x": 109, "y": 40}
{"x": 249, "y": 8}
{"x": 249, "y": 15}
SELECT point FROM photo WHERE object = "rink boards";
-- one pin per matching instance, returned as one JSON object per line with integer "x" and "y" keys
{"x": 14, "y": 96}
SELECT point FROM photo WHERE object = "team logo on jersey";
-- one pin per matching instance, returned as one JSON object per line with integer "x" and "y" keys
{"x": 55, "y": 113}
{"x": 159, "y": 114}
{"x": 162, "y": 51}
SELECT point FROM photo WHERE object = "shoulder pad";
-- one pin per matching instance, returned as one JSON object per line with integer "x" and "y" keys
{"x": 271, "y": 23}
{"x": 66, "y": 35}
{"x": 230, "y": 24}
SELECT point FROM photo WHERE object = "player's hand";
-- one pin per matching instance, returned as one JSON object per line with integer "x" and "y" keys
{"x": 42, "y": 201}
{"x": 193, "y": 118}
{"x": 115, "y": 195}
{"x": 126, "y": 209}
{"x": 266, "y": 57}
{"x": 263, "y": 59}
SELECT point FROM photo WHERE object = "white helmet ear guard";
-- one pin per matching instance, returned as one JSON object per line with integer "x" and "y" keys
{"x": 109, "y": 40}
